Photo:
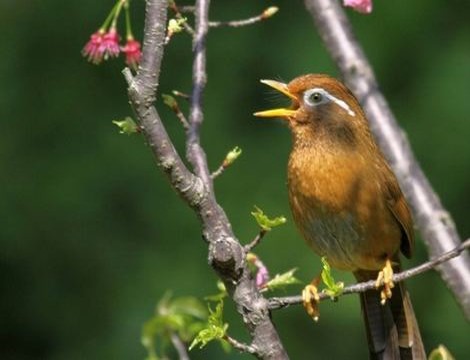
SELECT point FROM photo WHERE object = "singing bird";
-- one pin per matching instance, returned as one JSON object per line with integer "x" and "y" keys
{"x": 348, "y": 206}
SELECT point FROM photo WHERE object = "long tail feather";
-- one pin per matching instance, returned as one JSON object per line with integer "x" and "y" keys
{"x": 392, "y": 330}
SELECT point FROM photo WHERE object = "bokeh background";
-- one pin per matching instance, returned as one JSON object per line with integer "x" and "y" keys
{"x": 91, "y": 234}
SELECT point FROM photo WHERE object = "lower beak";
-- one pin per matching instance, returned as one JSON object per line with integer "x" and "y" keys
{"x": 280, "y": 112}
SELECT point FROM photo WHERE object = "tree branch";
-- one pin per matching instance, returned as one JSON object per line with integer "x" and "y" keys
{"x": 267, "y": 13}
{"x": 280, "y": 302}
{"x": 434, "y": 222}
{"x": 226, "y": 255}
{"x": 179, "y": 346}
{"x": 195, "y": 153}
{"x": 240, "y": 346}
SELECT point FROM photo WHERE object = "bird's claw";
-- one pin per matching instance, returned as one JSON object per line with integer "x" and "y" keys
{"x": 385, "y": 279}
{"x": 311, "y": 300}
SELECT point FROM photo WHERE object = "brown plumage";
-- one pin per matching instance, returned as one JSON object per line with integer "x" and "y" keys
{"x": 348, "y": 205}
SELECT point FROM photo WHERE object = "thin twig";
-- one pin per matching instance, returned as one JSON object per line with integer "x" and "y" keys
{"x": 255, "y": 241}
{"x": 179, "y": 346}
{"x": 245, "y": 348}
{"x": 267, "y": 13}
{"x": 434, "y": 222}
{"x": 218, "y": 172}
{"x": 171, "y": 102}
{"x": 181, "y": 94}
{"x": 179, "y": 114}
{"x": 280, "y": 302}
{"x": 195, "y": 153}
{"x": 177, "y": 10}
{"x": 186, "y": 9}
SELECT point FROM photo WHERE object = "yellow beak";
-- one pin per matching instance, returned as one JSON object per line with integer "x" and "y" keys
{"x": 280, "y": 112}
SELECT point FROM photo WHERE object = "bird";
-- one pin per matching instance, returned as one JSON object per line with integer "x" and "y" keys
{"x": 348, "y": 206}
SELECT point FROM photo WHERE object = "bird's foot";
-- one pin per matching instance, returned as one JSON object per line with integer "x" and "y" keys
{"x": 385, "y": 279}
{"x": 311, "y": 299}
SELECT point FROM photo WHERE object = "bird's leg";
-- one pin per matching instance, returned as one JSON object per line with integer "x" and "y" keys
{"x": 311, "y": 299}
{"x": 385, "y": 278}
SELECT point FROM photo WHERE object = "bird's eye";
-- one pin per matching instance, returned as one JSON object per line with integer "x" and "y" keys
{"x": 314, "y": 97}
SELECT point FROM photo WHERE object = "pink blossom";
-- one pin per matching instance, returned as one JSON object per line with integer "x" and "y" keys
{"x": 132, "y": 51}
{"x": 262, "y": 275}
{"x": 92, "y": 48}
{"x": 109, "y": 47}
{"x": 362, "y": 6}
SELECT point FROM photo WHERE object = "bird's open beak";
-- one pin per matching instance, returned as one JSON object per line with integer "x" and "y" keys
{"x": 280, "y": 112}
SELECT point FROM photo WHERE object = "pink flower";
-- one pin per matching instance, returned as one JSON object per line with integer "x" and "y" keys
{"x": 109, "y": 47}
{"x": 132, "y": 51}
{"x": 92, "y": 48}
{"x": 362, "y": 6}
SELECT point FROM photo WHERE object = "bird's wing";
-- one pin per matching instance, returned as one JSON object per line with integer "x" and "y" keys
{"x": 397, "y": 205}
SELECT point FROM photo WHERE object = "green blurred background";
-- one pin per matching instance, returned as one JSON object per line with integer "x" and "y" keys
{"x": 91, "y": 234}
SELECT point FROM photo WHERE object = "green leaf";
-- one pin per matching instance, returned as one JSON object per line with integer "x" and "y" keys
{"x": 185, "y": 316}
{"x": 220, "y": 295}
{"x": 214, "y": 330}
{"x": 169, "y": 101}
{"x": 441, "y": 353}
{"x": 280, "y": 281}
{"x": 127, "y": 126}
{"x": 176, "y": 25}
{"x": 188, "y": 305}
{"x": 266, "y": 223}
{"x": 333, "y": 288}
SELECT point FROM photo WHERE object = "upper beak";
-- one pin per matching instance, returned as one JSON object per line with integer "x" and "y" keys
{"x": 280, "y": 112}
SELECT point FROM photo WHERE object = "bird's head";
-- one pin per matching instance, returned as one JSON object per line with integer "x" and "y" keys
{"x": 321, "y": 107}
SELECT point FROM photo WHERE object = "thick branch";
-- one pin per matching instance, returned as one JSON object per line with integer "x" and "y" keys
{"x": 226, "y": 255}
{"x": 142, "y": 90}
{"x": 434, "y": 222}
{"x": 277, "y": 303}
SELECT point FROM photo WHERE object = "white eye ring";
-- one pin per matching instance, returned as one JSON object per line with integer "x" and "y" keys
{"x": 316, "y": 96}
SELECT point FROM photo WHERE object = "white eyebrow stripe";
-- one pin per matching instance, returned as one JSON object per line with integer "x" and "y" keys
{"x": 339, "y": 102}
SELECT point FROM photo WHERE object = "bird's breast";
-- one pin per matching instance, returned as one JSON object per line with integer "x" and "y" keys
{"x": 337, "y": 205}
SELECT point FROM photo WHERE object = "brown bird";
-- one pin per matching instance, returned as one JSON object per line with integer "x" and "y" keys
{"x": 348, "y": 206}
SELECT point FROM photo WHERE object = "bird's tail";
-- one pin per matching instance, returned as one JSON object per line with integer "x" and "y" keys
{"x": 392, "y": 329}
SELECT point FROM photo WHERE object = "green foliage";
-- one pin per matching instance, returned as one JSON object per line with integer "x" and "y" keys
{"x": 333, "y": 288}
{"x": 265, "y": 222}
{"x": 127, "y": 126}
{"x": 183, "y": 316}
{"x": 176, "y": 25}
{"x": 232, "y": 156}
{"x": 280, "y": 281}
{"x": 440, "y": 353}
{"x": 220, "y": 295}
{"x": 215, "y": 329}
{"x": 169, "y": 101}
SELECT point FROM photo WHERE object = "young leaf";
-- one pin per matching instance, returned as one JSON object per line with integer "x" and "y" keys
{"x": 169, "y": 101}
{"x": 126, "y": 126}
{"x": 333, "y": 288}
{"x": 214, "y": 330}
{"x": 184, "y": 316}
{"x": 232, "y": 156}
{"x": 441, "y": 353}
{"x": 280, "y": 281}
{"x": 220, "y": 295}
{"x": 264, "y": 222}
